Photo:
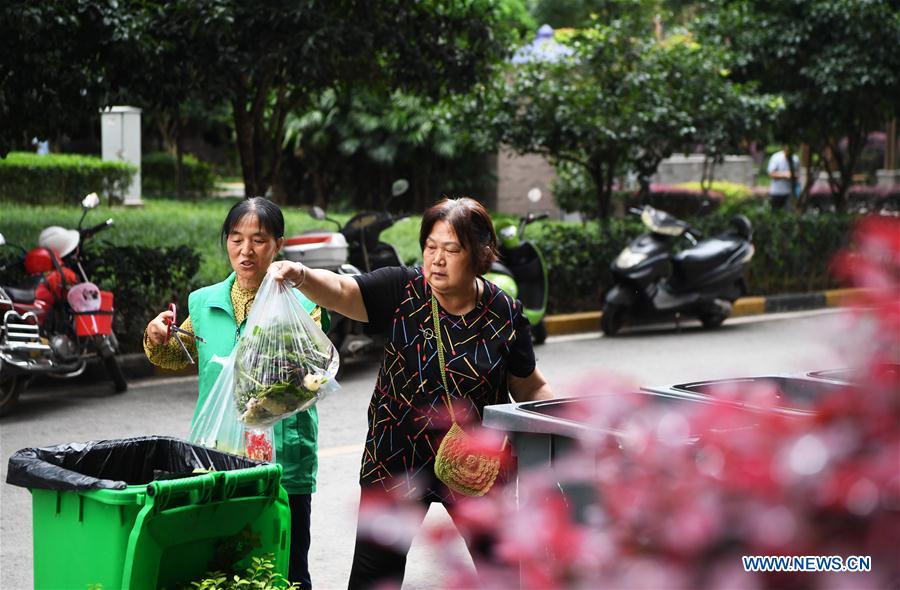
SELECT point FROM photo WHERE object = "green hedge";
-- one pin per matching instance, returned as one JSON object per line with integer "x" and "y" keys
{"x": 61, "y": 178}
{"x": 158, "y": 176}
{"x": 144, "y": 281}
{"x": 793, "y": 254}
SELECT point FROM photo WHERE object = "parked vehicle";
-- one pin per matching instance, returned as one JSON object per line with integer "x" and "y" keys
{"x": 55, "y": 320}
{"x": 355, "y": 245}
{"x": 652, "y": 280}
{"x": 521, "y": 271}
{"x": 363, "y": 232}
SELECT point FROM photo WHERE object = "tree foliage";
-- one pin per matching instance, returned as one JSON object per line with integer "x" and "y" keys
{"x": 624, "y": 102}
{"x": 58, "y": 64}
{"x": 265, "y": 58}
{"x": 342, "y": 137}
{"x": 835, "y": 63}
{"x": 270, "y": 57}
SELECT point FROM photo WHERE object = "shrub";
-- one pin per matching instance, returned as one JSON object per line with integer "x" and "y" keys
{"x": 61, "y": 178}
{"x": 861, "y": 198}
{"x": 793, "y": 253}
{"x": 144, "y": 281}
{"x": 733, "y": 193}
{"x": 158, "y": 176}
{"x": 159, "y": 224}
{"x": 260, "y": 575}
{"x": 578, "y": 258}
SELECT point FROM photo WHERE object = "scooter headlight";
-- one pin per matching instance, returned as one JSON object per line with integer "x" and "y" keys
{"x": 628, "y": 258}
{"x": 509, "y": 237}
{"x": 749, "y": 255}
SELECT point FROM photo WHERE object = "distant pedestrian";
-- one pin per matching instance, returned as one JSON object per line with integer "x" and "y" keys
{"x": 779, "y": 169}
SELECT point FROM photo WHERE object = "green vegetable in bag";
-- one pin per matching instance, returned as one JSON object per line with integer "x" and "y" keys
{"x": 284, "y": 362}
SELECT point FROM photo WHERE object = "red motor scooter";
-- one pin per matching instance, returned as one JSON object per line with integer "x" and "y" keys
{"x": 53, "y": 321}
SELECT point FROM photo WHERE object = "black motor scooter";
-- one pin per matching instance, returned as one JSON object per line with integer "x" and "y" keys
{"x": 363, "y": 233}
{"x": 703, "y": 281}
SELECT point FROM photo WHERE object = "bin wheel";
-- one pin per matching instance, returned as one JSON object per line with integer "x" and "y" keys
{"x": 114, "y": 371}
{"x": 10, "y": 388}
{"x": 539, "y": 332}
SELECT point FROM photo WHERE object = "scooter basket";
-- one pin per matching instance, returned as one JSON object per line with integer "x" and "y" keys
{"x": 96, "y": 323}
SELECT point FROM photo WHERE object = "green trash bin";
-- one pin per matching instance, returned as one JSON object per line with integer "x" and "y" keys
{"x": 133, "y": 514}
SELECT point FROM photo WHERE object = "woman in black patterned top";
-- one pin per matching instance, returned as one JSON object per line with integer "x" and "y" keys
{"x": 488, "y": 356}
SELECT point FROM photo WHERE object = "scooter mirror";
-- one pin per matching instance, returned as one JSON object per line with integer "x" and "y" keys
{"x": 90, "y": 201}
{"x": 400, "y": 186}
{"x": 535, "y": 194}
{"x": 317, "y": 213}
{"x": 2, "y": 240}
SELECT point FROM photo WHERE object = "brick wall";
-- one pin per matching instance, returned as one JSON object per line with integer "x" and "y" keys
{"x": 516, "y": 175}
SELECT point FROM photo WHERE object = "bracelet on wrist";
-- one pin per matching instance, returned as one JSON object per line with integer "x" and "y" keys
{"x": 302, "y": 279}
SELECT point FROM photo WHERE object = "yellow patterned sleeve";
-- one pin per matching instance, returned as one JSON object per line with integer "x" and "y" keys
{"x": 170, "y": 355}
{"x": 316, "y": 315}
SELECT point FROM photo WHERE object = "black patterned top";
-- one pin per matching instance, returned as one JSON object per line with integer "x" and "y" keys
{"x": 408, "y": 414}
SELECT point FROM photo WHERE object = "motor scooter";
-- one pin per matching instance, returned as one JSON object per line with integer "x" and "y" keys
{"x": 522, "y": 272}
{"x": 354, "y": 246}
{"x": 56, "y": 319}
{"x": 363, "y": 232}
{"x": 651, "y": 280}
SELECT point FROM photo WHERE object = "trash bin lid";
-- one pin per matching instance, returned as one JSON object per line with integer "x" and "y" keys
{"x": 114, "y": 464}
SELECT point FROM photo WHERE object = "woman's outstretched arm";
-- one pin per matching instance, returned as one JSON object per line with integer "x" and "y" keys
{"x": 324, "y": 288}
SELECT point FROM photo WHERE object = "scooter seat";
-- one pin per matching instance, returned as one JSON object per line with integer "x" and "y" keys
{"x": 500, "y": 268}
{"x": 705, "y": 256}
{"x": 20, "y": 295}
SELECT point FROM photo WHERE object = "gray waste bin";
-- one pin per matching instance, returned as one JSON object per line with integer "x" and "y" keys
{"x": 796, "y": 395}
{"x": 543, "y": 433}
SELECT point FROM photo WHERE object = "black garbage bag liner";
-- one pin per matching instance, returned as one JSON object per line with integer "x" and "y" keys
{"x": 114, "y": 464}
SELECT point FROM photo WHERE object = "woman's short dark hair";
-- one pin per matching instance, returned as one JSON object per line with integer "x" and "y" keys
{"x": 267, "y": 213}
{"x": 472, "y": 225}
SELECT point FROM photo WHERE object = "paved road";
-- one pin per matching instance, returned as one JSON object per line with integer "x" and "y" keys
{"x": 794, "y": 342}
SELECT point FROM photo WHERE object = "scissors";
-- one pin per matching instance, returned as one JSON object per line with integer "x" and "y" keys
{"x": 173, "y": 327}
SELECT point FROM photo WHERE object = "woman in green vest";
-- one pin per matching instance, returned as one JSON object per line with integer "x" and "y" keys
{"x": 252, "y": 235}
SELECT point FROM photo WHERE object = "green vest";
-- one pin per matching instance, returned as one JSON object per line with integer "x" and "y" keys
{"x": 212, "y": 317}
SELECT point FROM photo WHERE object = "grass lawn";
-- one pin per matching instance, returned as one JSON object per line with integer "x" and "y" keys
{"x": 170, "y": 223}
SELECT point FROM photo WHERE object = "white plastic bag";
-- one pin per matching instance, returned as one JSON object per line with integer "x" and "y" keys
{"x": 284, "y": 362}
{"x": 217, "y": 425}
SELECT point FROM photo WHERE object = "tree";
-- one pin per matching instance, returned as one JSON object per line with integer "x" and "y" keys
{"x": 269, "y": 58}
{"x": 378, "y": 137}
{"x": 163, "y": 73}
{"x": 56, "y": 62}
{"x": 834, "y": 62}
{"x": 696, "y": 101}
{"x": 623, "y": 103}
{"x": 581, "y": 13}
